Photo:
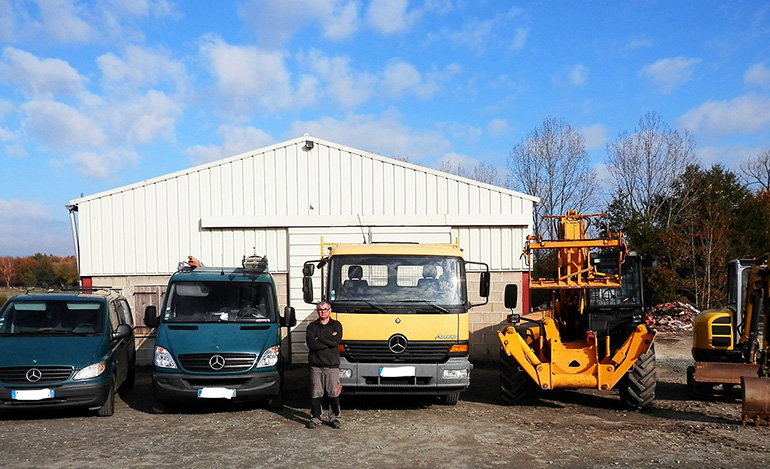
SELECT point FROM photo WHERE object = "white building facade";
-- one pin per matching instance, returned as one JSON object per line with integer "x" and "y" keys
{"x": 280, "y": 201}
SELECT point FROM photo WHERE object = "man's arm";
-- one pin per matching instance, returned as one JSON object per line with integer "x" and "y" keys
{"x": 313, "y": 343}
{"x": 332, "y": 340}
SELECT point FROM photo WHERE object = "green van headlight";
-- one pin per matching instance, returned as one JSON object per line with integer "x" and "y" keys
{"x": 269, "y": 357}
{"x": 91, "y": 371}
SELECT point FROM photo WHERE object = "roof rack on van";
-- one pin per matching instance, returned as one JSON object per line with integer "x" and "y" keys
{"x": 83, "y": 289}
{"x": 254, "y": 263}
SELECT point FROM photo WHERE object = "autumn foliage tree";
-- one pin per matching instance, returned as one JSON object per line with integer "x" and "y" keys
{"x": 39, "y": 270}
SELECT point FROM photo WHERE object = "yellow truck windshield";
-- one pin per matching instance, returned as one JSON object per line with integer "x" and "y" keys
{"x": 420, "y": 283}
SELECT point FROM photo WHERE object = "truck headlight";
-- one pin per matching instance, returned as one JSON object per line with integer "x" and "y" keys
{"x": 346, "y": 373}
{"x": 455, "y": 374}
{"x": 163, "y": 358}
{"x": 269, "y": 357}
{"x": 91, "y": 371}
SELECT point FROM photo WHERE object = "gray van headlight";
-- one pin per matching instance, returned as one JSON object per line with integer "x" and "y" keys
{"x": 269, "y": 357}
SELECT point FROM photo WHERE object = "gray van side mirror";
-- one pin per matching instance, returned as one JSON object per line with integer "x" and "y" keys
{"x": 122, "y": 332}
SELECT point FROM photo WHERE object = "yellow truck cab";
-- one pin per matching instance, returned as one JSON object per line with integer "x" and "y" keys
{"x": 404, "y": 312}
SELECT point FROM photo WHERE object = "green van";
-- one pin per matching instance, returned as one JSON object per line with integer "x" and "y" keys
{"x": 219, "y": 336}
{"x": 66, "y": 350}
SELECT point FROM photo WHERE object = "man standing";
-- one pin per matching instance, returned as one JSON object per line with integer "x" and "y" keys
{"x": 323, "y": 338}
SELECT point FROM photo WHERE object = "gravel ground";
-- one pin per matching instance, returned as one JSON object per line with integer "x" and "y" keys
{"x": 564, "y": 429}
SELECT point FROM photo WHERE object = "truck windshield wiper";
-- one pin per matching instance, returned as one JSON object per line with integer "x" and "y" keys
{"x": 434, "y": 305}
{"x": 378, "y": 308}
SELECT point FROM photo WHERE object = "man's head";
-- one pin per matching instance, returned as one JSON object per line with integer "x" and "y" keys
{"x": 324, "y": 309}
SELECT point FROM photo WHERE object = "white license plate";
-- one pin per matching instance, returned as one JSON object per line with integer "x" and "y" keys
{"x": 397, "y": 371}
{"x": 32, "y": 394}
{"x": 216, "y": 393}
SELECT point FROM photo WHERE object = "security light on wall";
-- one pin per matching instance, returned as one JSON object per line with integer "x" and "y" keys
{"x": 308, "y": 145}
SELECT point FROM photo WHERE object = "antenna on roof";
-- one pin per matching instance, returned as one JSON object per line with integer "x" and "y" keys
{"x": 361, "y": 225}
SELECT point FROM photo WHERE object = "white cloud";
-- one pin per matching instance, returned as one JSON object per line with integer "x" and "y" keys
{"x": 385, "y": 135}
{"x": 63, "y": 20}
{"x": 595, "y": 135}
{"x": 277, "y": 21}
{"x": 668, "y": 74}
{"x": 22, "y": 208}
{"x": 140, "y": 68}
{"x": 235, "y": 140}
{"x": 519, "y": 39}
{"x": 757, "y": 74}
{"x": 578, "y": 75}
{"x": 248, "y": 79}
{"x": 389, "y": 16}
{"x": 57, "y": 125}
{"x": 731, "y": 156}
{"x": 107, "y": 164}
{"x": 41, "y": 78}
{"x": 144, "y": 118}
{"x": 400, "y": 78}
{"x": 742, "y": 115}
{"x": 346, "y": 86}
{"x": 499, "y": 127}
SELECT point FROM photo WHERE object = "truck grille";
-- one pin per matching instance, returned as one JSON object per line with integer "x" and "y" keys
{"x": 48, "y": 374}
{"x": 378, "y": 352}
{"x": 202, "y": 362}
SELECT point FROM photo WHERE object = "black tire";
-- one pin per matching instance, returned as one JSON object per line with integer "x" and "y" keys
{"x": 637, "y": 387}
{"x": 159, "y": 406}
{"x": 130, "y": 381}
{"x": 516, "y": 387}
{"x": 449, "y": 399}
{"x": 108, "y": 408}
{"x": 275, "y": 403}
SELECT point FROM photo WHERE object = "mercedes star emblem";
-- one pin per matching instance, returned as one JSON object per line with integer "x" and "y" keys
{"x": 397, "y": 343}
{"x": 217, "y": 362}
{"x": 34, "y": 375}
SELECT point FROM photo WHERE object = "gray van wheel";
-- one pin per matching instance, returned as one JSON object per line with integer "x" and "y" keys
{"x": 108, "y": 408}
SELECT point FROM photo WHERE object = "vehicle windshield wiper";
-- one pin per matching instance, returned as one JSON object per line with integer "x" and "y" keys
{"x": 434, "y": 305}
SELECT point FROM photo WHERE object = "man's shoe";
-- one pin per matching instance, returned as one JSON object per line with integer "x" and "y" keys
{"x": 336, "y": 423}
{"x": 311, "y": 424}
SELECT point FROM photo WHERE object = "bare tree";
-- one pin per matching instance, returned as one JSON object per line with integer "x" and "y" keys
{"x": 645, "y": 164}
{"x": 756, "y": 171}
{"x": 552, "y": 163}
{"x": 482, "y": 172}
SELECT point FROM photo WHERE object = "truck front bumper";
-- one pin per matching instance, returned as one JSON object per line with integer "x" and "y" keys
{"x": 405, "y": 378}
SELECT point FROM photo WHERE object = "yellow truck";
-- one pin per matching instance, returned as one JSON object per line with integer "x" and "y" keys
{"x": 404, "y": 308}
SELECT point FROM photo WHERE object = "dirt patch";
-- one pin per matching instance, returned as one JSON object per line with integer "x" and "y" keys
{"x": 564, "y": 429}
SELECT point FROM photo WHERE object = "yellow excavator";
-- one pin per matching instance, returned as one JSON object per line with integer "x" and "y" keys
{"x": 730, "y": 344}
{"x": 593, "y": 334}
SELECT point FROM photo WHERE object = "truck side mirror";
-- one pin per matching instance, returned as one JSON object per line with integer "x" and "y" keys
{"x": 484, "y": 288}
{"x": 289, "y": 318}
{"x": 307, "y": 289}
{"x": 308, "y": 269}
{"x": 151, "y": 316}
{"x": 511, "y": 295}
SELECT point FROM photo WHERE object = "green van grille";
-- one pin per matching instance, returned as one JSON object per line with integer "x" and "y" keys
{"x": 202, "y": 362}
{"x": 48, "y": 374}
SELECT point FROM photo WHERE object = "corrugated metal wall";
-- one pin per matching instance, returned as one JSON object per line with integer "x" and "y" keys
{"x": 221, "y": 211}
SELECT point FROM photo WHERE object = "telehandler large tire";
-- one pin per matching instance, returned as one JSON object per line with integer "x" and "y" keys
{"x": 637, "y": 387}
{"x": 516, "y": 387}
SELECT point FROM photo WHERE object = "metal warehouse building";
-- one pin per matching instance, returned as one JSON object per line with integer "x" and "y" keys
{"x": 280, "y": 201}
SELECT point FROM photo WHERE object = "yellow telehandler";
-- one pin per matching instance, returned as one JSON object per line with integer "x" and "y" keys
{"x": 593, "y": 334}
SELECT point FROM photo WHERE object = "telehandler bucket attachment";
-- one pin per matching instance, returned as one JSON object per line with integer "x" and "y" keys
{"x": 756, "y": 400}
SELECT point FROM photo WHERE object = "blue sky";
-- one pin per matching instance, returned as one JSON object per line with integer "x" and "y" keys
{"x": 99, "y": 94}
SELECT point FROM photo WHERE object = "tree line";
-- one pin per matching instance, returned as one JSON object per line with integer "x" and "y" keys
{"x": 692, "y": 219}
{"x": 39, "y": 270}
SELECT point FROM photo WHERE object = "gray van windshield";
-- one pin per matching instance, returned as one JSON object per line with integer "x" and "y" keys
{"x": 219, "y": 302}
{"x": 52, "y": 317}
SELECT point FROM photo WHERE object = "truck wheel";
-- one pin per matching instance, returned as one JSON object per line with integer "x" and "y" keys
{"x": 516, "y": 387}
{"x": 637, "y": 387}
{"x": 449, "y": 399}
{"x": 108, "y": 408}
{"x": 159, "y": 406}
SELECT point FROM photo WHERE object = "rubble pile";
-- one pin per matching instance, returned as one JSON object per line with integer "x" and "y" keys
{"x": 672, "y": 317}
